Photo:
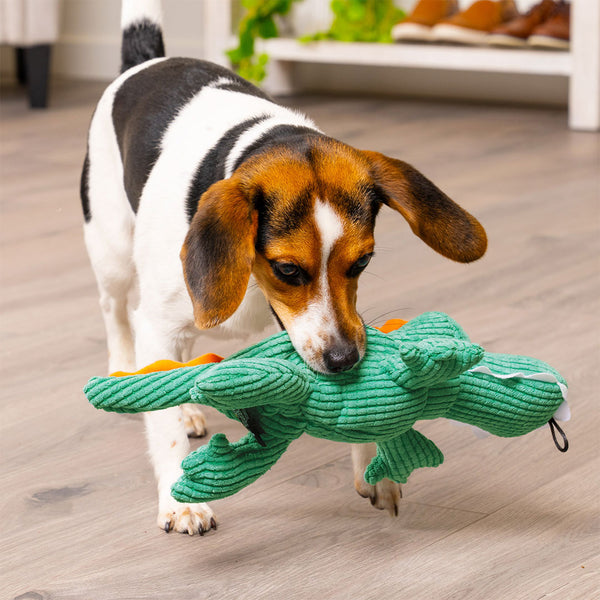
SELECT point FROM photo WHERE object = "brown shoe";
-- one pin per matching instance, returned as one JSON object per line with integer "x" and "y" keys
{"x": 515, "y": 32}
{"x": 554, "y": 33}
{"x": 417, "y": 26}
{"x": 473, "y": 25}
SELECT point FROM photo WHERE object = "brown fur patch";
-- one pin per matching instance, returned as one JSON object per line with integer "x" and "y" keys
{"x": 431, "y": 214}
{"x": 265, "y": 214}
{"x": 218, "y": 252}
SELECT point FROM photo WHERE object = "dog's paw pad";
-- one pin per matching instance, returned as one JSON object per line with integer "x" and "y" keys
{"x": 187, "y": 518}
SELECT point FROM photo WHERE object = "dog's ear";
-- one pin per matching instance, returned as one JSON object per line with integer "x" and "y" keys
{"x": 218, "y": 252}
{"x": 435, "y": 218}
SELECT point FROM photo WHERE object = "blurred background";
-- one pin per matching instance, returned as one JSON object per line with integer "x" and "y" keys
{"x": 84, "y": 36}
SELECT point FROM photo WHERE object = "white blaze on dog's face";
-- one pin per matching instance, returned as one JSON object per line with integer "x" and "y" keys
{"x": 310, "y": 281}
{"x": 315, "y": 333}
{"x": 301, "y": 221}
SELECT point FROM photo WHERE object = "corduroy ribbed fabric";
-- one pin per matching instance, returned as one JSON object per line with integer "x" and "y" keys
{"x": 425, "y": 370}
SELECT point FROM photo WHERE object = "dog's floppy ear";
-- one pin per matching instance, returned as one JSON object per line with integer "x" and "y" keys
{"x": 218, "y": 252}
{"x": 435, "y": 218}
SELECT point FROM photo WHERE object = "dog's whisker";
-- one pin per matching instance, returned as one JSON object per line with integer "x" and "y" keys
{"x": 376, "y": 275}
{"x": 380, "y": 316}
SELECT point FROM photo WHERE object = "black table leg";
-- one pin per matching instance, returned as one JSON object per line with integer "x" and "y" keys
{"x": 33, "y": 66}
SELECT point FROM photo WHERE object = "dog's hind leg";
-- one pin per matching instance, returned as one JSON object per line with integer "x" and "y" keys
{"x": 108, "y": 234}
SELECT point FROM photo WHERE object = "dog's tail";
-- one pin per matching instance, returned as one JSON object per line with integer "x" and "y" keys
{"x": 141, "y": 23}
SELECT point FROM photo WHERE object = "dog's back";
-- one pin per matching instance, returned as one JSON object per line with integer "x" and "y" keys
{"x": 163, "y": 132}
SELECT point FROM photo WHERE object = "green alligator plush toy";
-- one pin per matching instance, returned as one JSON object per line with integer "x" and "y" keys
{"x": 425, "y": 370}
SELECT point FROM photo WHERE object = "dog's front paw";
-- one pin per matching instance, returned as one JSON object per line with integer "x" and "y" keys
{"x": 186, "y": 518}
{"x": 194, "y": 420}
{"x": 384, "y": 495}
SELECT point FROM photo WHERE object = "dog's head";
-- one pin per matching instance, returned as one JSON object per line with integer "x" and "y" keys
{"x": 302, "y": 222}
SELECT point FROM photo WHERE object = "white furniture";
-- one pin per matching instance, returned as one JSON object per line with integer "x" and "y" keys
{"x": 581, "y": 64}
{"x": 31, "y": 26}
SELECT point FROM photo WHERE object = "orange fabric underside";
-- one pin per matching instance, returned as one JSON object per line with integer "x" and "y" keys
{"x": 392, "y": 325}
{"x": 169, "y": 365}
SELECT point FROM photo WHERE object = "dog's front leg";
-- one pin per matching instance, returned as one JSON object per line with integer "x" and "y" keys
{"x": 167, "y": 439}
{"x": 168, "y": 445}
{"x": 385, "y": 494}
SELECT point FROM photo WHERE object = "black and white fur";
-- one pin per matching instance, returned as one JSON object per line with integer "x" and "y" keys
{"x": 142, "y": 172}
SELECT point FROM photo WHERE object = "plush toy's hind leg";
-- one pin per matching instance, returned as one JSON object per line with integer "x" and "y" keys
{"x": 397, "y": 458}
{"x": 221, "y": 468}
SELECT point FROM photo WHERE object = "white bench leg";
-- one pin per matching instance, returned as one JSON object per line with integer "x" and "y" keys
{"x": 217, "y": 31}
{"x": 584, "y": 86}
{"x": 279, "y": 80}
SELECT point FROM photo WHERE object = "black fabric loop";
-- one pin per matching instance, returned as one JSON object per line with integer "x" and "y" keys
{"x": 554, "y": 427}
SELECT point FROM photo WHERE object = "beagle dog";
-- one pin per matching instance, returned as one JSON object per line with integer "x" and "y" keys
{"x": 224, "y": 209}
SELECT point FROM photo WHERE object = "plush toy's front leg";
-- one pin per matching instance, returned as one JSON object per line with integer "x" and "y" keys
{"x": 249, "y": 382}
{"x": 221, "y": 468}
{"x": 397, "y": 458}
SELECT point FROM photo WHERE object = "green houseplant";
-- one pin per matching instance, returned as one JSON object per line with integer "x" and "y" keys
{"x": 354, "y": 21}
{"x": 361, "y": 21}
{"x": 258, "y": 22}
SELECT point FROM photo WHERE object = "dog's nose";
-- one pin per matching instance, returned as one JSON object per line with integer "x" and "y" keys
{"x": 341, "y": 358}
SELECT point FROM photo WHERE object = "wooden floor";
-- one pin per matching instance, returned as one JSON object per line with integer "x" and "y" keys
{"x": 500, "y": 519}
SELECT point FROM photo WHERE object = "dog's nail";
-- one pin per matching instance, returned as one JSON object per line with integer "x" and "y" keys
{"x": 373, "y": 499}
{"x": 167, "y": 526}
{"x": 213, "y": 523}
{"x": 395, "y": 510}
{"x": 201, "y": 530}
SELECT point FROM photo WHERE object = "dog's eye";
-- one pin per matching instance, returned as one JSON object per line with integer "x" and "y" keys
{"x": 290, "y": 273}
{"x": 357, "y": 268}
{"x": 287, "y": 269}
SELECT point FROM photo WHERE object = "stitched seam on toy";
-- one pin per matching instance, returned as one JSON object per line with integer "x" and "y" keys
{"x": 547, "y": 377}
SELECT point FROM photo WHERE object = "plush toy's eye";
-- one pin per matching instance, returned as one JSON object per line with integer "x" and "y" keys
{"x": 357, "y": 268}
{"x": 290, "y": 273}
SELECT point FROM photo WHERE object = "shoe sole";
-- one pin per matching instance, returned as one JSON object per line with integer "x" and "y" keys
{"x": 412, "y": 32}
{"x": 458, "y": 35}
{"x": 507, "y": 41}
{"x": 545, "y": 41}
